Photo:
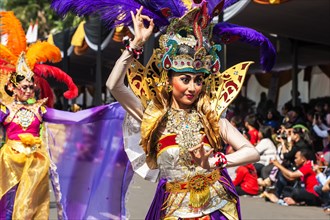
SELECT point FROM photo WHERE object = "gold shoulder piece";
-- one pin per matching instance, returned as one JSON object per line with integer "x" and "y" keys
{"x": 145, "y": 81}
{"x": 43, "y": 109}
{"x": 3, "y": 108}
{"x": 224, "y": 87}
{"x": 42, "y": 101}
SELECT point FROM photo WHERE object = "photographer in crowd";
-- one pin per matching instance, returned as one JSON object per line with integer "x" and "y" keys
{"x": 291, "y": 141}
{"x": 303, "y": 192}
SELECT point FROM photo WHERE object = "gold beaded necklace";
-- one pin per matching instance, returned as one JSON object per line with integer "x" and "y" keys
{"x": 187, "y": 127}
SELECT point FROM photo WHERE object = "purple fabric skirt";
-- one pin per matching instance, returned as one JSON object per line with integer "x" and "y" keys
{"x": 161, "y": 195}
{"x": 7, "y": 204}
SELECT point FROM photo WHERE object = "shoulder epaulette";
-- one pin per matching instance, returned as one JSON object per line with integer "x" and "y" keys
{"x": 3, "y": 108}
{"x": 43, "y": 109}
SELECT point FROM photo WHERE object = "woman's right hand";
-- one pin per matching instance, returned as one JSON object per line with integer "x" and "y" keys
{"x": 142, "y": 33}
{"x": 200, "y": 156}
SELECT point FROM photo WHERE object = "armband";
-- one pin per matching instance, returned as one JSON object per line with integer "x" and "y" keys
{"x": 136, "y": 52}
{"x": 222, "y": 160}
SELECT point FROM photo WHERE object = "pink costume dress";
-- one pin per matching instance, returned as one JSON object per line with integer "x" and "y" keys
{"x": 24, "y": 160}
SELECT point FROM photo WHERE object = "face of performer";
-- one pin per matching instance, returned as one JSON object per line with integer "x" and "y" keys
{"x": 24, "y": 90}
{"x": 186, "y": 88}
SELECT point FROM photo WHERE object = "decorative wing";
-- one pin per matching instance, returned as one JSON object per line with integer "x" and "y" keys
{"x": 224, "y": 87}
{"x": 145, "y": 81}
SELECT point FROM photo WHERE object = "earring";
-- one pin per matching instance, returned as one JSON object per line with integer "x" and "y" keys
{"x": 169, "y": 88}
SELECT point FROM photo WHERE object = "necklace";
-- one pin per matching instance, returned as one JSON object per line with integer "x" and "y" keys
{"x": 24, "y": 118}
{"x": 187, "y": 127}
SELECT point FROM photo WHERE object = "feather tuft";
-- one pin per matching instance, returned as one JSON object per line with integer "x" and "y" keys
{"x": 227, "y": 33}
{"x": 45, "y": 91}
{"x": 7, "y": 55}
{"x": 5, "y": 67}
{"x": 47, "y": 71}
{"x": 11, "y": 26}
{"x": 49, "y": 53}
{"x": 112, "y": 12}
{"x": 174, "y": 8}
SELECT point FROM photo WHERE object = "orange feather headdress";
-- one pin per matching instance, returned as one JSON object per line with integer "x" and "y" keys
{"x": 16, "y": 57}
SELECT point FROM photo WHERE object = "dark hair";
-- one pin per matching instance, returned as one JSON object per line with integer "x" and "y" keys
{"x": 287, "y": 106}
{"x": 304, "y": 134}
{"x": 299, "y": 131}
{"x": 266, "y": 131}
{"x": 307, "y": 153}
{"x": 251, "y": 120}
{"x": 18, "y": 78}
{"x": 274, "y": 112}
{"x": 237, "y": 120}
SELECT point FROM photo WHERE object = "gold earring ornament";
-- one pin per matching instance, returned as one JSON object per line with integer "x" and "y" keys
{"x": 169, "y": 88}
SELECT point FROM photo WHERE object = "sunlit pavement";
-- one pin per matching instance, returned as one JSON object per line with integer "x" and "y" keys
{"x": 141, "y": 193}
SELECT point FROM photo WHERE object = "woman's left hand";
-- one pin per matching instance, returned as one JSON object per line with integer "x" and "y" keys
{"x": 142, "y": 33}
{"x": 200, "y": 156}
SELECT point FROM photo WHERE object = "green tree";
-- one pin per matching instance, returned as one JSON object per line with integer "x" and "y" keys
{"x": 39, "y": 10}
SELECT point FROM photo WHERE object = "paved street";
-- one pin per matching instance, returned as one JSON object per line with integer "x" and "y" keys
{"x": 141, "y": 193}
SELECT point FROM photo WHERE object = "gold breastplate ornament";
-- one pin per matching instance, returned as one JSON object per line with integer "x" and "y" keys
{"x": 187, "y": 127}
{"x": 24, "y": 118}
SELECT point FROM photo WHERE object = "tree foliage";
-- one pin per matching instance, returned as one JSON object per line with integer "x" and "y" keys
{"x": 49, "y": 22}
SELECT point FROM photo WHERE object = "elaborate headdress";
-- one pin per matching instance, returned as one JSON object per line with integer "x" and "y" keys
{"x": 16, "y": 58}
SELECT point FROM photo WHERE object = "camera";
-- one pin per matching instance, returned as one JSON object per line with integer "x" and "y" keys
{"x": 281, "y": 135}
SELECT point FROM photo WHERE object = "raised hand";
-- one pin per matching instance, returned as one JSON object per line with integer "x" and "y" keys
{"x": 200, "y": 156}
{"x": 142, "y": 33}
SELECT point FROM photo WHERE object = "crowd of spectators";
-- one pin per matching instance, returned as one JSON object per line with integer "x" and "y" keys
{"x": 294, "y": 147}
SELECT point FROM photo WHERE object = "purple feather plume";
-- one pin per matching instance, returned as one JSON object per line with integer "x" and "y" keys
{"x": 109, "y": 10}
{"x": 225, "y": 33}
{"x": 211, "y": 4}
{"x": 175, "y": 7}
{"x": 230, "y": 3}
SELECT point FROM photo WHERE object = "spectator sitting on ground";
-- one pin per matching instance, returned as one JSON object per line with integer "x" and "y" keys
{"x": 299, "y": 195}
{"x": 321, "y": 130}
{"x": 322, "y": 171}
{"x": 267, "y": 151}
{"x": 250, "y": 122}
{"x": 292, "y": 140}
{"x": 273, "y": 119}
{"x": 285, "y": 109}
{"x": 246, "y": 182}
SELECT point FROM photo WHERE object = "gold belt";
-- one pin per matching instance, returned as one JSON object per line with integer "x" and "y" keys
{"x": 20, "y": 147}
{"x": 196, "y": 182}
{"x": 198, "y": 186}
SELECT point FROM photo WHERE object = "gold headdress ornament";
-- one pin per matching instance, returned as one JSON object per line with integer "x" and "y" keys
{"x": 22, "y": 69}
{"x": 186, "y": 47}
{"x": 28, "y": 61}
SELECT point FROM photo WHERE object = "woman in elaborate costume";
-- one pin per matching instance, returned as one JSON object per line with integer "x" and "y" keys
{"x": 175, "y": 103}
{"x": 24, "y": 158}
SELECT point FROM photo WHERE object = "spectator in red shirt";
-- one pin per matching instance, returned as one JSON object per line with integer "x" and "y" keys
{"x": 250, "y": 122}
{"x": 300, "y": 195}
{"x": 246, "y": 180}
